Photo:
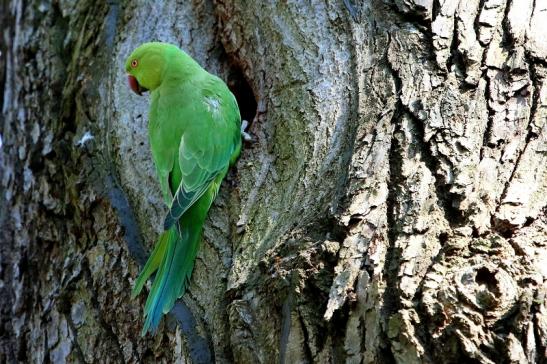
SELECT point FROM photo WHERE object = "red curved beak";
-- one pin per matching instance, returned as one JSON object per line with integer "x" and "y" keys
{"x": 134, "y": 84}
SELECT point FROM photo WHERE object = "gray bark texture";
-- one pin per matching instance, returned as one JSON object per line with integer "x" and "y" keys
{"x": 391, "y": 208}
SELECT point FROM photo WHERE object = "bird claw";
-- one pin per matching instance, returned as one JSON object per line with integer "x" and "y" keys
{"x": 246, "y": 136}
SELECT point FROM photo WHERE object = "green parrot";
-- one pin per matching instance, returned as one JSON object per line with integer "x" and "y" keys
{"x": 194, "y": 132}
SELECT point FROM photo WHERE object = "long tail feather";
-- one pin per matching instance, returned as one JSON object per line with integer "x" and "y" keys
{"x": 152, "y": 264}
{"x": 173, "y": 259}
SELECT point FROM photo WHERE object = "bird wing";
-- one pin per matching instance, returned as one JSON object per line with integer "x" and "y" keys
{"x": 210, "y": 138}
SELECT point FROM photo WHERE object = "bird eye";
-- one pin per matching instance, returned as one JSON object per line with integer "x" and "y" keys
{"x": 134, "y": 63}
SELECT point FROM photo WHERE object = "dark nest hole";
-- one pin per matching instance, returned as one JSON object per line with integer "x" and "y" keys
{"x": 488, "y": 278}
{"x": 243, "y": 93}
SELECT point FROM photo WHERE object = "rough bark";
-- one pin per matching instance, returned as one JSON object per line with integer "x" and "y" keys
{"x": 391, "y": 209}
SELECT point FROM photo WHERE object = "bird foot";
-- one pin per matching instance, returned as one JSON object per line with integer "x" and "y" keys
{"x": 246, "y": 136}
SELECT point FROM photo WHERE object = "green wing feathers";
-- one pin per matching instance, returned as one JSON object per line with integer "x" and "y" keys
{"x": 203, "y": 154}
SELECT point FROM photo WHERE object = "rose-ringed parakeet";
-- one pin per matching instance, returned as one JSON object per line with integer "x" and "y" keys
{"x": 194, "y": 132}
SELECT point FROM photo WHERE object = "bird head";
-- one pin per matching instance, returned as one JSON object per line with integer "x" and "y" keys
{"x": 146, "y": 65}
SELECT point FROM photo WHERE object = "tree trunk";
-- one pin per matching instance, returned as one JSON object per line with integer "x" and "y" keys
{"x": 391, "y": 208}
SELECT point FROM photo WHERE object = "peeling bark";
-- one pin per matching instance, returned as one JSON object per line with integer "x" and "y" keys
{"x": 391, "y": 209}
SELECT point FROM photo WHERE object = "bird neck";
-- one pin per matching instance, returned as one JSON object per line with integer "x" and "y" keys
{"x": 180, "y": 68}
